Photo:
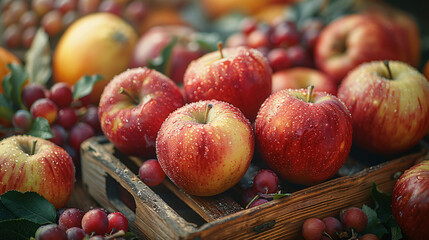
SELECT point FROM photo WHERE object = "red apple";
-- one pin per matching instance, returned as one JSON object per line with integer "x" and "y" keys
{"x": 304, "y": 139}
{"x": 301, "y": 77}
{"x": 29, "y": 163}
{"x": 389, "y": 104}
{"x": 133, "y": 106}
{"x": 351, "y": 40}
{"x": 205, "y": 147}
{"x": 150, "y": 45}
{"x": 410, "y": 202}
{"x": 239, "y": 76}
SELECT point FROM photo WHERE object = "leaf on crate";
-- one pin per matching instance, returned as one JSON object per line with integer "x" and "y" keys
{"x": 29, "y": 206}
{"x": 162, "y": 62}
{"x": 41, "y": 128}
{"x": 6, "y": 214}
{"x": 13, "y": 83}
{"x": 38, "y": 58}
{"x": 374, "y": 224}
{"x": 18, "y": 229}
{"x": 84, "y": 85}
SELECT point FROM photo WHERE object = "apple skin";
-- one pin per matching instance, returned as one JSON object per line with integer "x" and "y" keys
{"x": 302, "y": 77}
{"x": 150, "y": 45}
{"x": 205, "y": 159}
{"x": 410, "y": 201}
{"x": 304, "y": 142}
{"x": 133, "y": 127}
{"x": 49, "y": 171}
{"x": 242, "y": 78}
{"x": 389, "y": 116}
{"x": 351, "y": 40}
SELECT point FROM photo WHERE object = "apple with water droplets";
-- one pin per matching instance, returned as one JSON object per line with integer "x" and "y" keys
{"x": 389, "y": 102}
{"x": 302, "y": 135}
{"x": 133, "y": 106}
{"x": 410, "y": 201}
{"x": 240, "y": 76}
{"x": 30, "y": 163}
{"x": 205, "y": 147}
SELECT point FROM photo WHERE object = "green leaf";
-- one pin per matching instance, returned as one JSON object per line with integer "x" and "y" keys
{"x": 6, "y": 214}
{"x": 6, "y": 108}
{"x": 19, "y": 229}
{"x": 374, "y": 225}
{"x": 13, "y": 83}
{"x": 41, "y": 128}
{"x": 30, "y": 206}
{"x": 207, "y": 41}
{"x": 163, "y": 61}
{"x": 382, "y": 204}
{"x": 38, "y": 58}
{"x": 84, "y": 85}
{"x": 396, "y": 233}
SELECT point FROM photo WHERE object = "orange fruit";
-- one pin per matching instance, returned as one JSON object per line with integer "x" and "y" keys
{"x": 6, "y": 57}
{"x": 99, "y": 43}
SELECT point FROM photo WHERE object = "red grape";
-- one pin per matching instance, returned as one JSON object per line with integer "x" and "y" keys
{"x": 248, "y": 25}
{"x": 61, "y": 94}
{"x": 135, "y": 11}
{"x": 88, "y": 6}
{"x": 31, "y": 92}
{"x": 75, "y": 233}
{"x": 52, "y": 22}
{"x": 71, "y": 217}
{"x": 110, "y": 6}
{"x": 45, "y": 108}
{"x": 313, "y": 229}
{"x": 28, "y": 19}
{"x": 22, "y": 119}
{"x": 51, "y": 232}
{"x": 60, "y": 135}
{"x": 95, "y": 222}
{"x": 258, "y": 202}
{"x": 369, "y": 236}
{"x": 117, "y": 221}
{"x": 266, "y": 181}
{"x": 79, "y": 133}
{"x": 354, "y": 218}
{"x": 235, "y": 40}
{"x": 69, "y": 18}
{"x": 41, "y": 7}
{"x": 285, "y": 34}
{"x": 151, "y": 173}
{"x": 257, "y": 39}
{"x": 65, "y": 6}
{"x": 91, "y": 117}
{"x": 299, "y": 56}
{"x": 333, "y": 227}
{"x": 28, "y": 36}
{"x": 279, "y": 59}
{"x": 12, "y": 36}
{"x": 248, "y": 195}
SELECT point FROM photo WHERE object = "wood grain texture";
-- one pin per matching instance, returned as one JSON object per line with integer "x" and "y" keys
{"x": 225, "y": 218}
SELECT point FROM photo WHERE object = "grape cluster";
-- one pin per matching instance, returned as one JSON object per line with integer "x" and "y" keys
{"x": 284, "y": 43}
{"x": 21, "y": 18}
{"x": 75, "y": 224}
{"x": 72, "y": 121}
{"x": 350, "y": 223}
{"x": 265, "y": 183}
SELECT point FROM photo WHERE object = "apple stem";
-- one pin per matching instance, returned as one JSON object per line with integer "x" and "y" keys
{"x": 208, "y": 107}
{"x": 252, "y": 201}
{"x": 386, "y": 63}
{"x": 122, "y": 91}
{"x": 309, "y": 92}
{"x": 220, "y": 47}
{"x": 327, "y": 235}
{"x": 33, "y": 147}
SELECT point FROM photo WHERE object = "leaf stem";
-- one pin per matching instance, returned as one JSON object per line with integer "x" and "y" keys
{"x": 208, "y": 107}
{"x": 220, "y": 47}
{"x": 386, "y": 63}
{"x": 122, "y": 91}
{"x": 33, "y": 147}
{"x": 309, "y": 92}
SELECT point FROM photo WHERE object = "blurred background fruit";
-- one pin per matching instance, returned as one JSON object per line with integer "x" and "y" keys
{"x": 6, "y": 57}
{"x": 100, "y": 43}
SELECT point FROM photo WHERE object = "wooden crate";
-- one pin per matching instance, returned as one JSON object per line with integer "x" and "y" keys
{"x": 166, "y": 212}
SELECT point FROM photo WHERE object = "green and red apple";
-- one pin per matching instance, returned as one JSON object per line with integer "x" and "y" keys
{"x": 389, "y": 102}
{"x": 205, "y": 147}
{"x": 351, "y": 40}
{"x": 240, "y": 76}
{"x": 304, "y": 136}
{"x": 30, "y": 163}
{"x": 133, "y": 106}
{"x": 302, "y": 77}
{"x": 410, "y": 202}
